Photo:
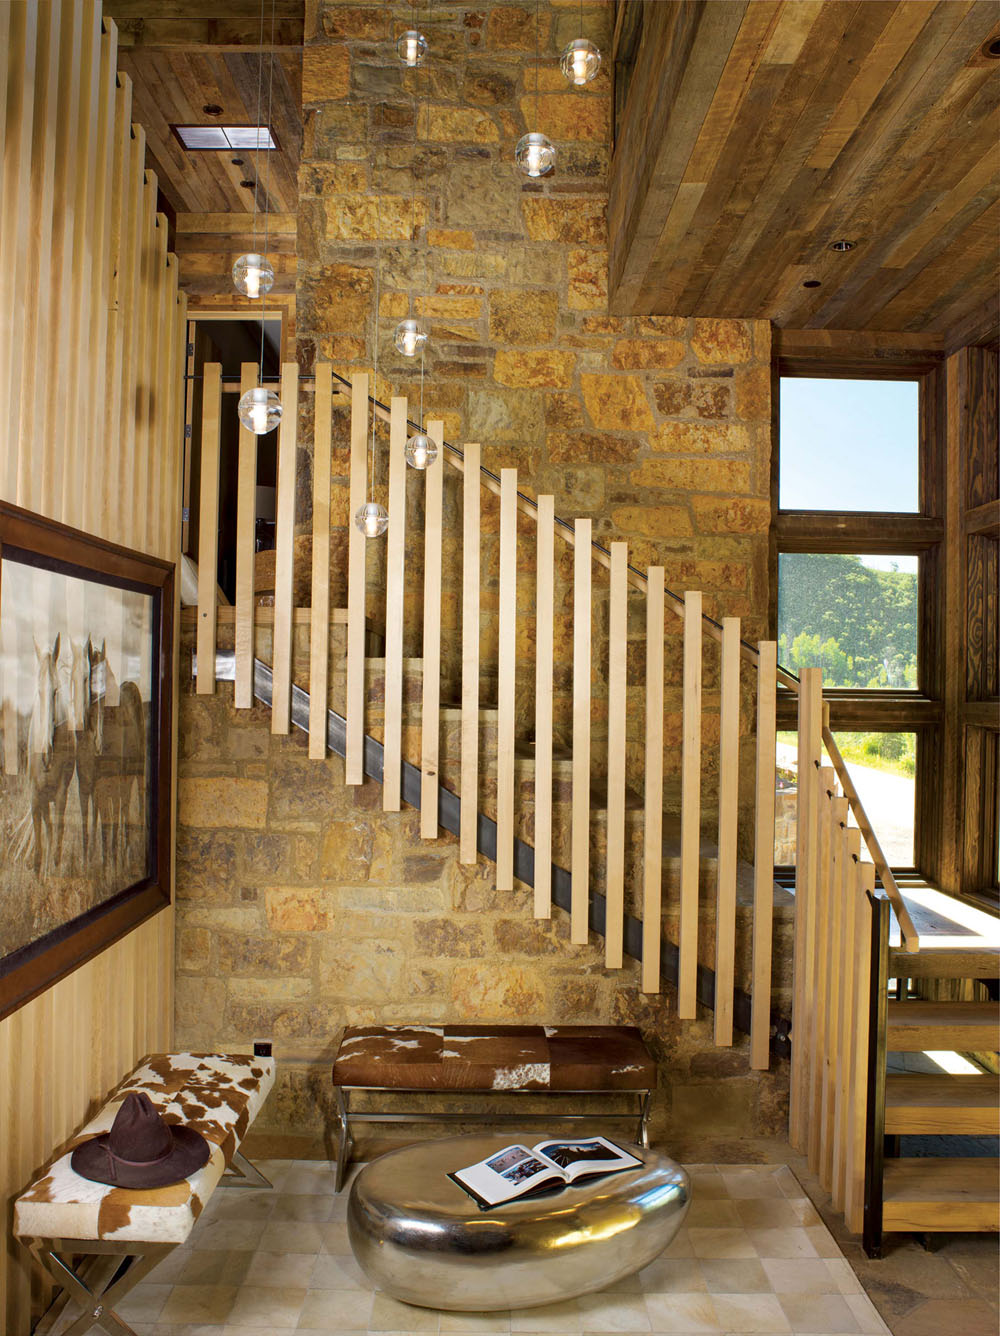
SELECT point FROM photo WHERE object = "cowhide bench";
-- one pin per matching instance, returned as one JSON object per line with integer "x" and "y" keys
{"x": 489, "y": 1059}
{"x": 97, "y": 1241}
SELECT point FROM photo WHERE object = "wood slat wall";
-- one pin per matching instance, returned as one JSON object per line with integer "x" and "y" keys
{"x": 98, "y": 342}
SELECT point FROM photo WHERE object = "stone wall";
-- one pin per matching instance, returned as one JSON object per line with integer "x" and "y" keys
{"x": 301, "y": 906}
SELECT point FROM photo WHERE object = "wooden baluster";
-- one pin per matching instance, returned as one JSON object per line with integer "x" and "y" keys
{"x": 469, "y": 779}
{"x": 109, "y": 497}
{"x": 208, "y": 525}
{"x": 834, "y": 993}
{"x": 687, "y": 987}
{"x": 284, "y": 571}
{"x": 506, "y": 674}
{"x": 615, "y": 851}
{"x": 729, "y": 778}
{"x": 850, "y": 849}
{"x": 580, "y": 835}
{"x": 544, "y": 602}
{"x": 821, "y": 960}
{"x": 246, "y": 508}
{"x": 652, "y": 859}
{"x": 146, "y": 319}
{"x": 809, "y": 736}
{"x": 354, "y": 760}
{"x": 430, "y": 730}
{"x": 319, "y": 612}
{"x": 763, "y": 872}
{"x": 863, "y": 885}
{"x": 395, "y": 604}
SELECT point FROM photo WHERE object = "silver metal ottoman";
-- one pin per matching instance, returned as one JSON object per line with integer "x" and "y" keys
{"x": 423, "y": 1240}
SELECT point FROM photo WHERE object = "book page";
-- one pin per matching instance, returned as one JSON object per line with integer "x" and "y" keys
{"x": 512, "y": 1172}
{"x": 578, "y": 1158}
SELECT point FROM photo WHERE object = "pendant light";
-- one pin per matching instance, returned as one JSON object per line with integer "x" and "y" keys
{"x": 581, "y": 59}
{"x": 411, "y": 48}
{"x": 372, "y": 519}
{"x": 410, "y": 337}
{"x": 420, "y": 451}
{"x": 260, "y": 409}
{"x": 253, "y": 273}
{"x": 535, "y": 154}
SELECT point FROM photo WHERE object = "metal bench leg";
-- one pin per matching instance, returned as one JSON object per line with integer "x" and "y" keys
{"x": 94, "y": 1290}
{"x": 344, "y": 1142}
{"x": 643, "y": 1129}
{"x": 242, "y": 1174}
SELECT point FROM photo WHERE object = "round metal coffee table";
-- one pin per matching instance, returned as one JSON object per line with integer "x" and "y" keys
{"x": 421, "y": 1238}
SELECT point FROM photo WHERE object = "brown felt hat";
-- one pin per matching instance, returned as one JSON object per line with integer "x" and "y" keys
{"x": 141, "y": 1150}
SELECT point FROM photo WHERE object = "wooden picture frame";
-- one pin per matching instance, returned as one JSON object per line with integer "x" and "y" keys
{"x": 86, "y": 663}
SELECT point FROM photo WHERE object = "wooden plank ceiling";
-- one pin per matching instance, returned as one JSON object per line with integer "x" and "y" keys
{"x": 752, "y": 136}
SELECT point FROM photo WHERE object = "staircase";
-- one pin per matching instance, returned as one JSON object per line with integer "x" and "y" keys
{"x": 614, "y": 778}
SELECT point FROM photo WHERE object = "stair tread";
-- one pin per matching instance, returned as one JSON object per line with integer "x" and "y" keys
{"x": 925, "y": 1015}
{"x": 963, "y": 1090}
{"x": 931, "y": 962}
{"x": 945, "y": 1179}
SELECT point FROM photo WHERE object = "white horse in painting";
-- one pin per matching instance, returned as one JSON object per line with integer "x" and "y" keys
{"x": 51, "y": 761}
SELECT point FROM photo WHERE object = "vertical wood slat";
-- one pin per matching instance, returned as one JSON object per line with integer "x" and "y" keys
{"x": 507, "y": 635}
{"x": 354, "y": 760}
{"x": 130, "y": 304}
{"x": 319, "y": 614}
{"x": 763, "y": 872}
{"x": 430, "y": 731}
{"x": 145, "y": 343}
{"x": 687, "y": 986}
{"x": 171, "y": 415}
{"x": 864, "y": 885}
{"x": 821, "y": 959}
{"x": 809, "y": 744}
{"x": 395, "y": 588}
{"x": 153, "y": 413}
{"x": 110, "y": 502}
{"x": 834, "y": 991}
{"x": 729, "y": 772}
{"x": 580, "y": 818}
{"x": 850, "y": 850}
{"x": 544, "y": 646}
{"x": 469, "y": 777}
{"x": 284, "y": 595}
{"x": 615, "y": 849}
{"x": 652, "y": 854}
{"x": 208, "y": 525}
{"x": 246, "y": 507}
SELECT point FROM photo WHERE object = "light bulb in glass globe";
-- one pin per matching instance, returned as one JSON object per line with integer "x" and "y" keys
{"x": 534, "y": 154}
{"x": 260, "y": 410}
{"x": 253, "y": 275}
{"x": 372, "y": 519}
{"x": 410, "y": 337}
{"x": 420, "y": 450}
{"x": 580, "y": 61}
{"x": 411, "y": 47}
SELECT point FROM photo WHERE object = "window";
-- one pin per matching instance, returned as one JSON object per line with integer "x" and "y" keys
{"x": 221, "y": 137}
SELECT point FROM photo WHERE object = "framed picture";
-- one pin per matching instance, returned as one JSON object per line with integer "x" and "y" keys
{"x": 86, "y": 660}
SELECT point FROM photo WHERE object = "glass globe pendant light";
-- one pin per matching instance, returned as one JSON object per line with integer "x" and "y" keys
{"x": 259, "y": 410}
{"x": 410, "y": 337}
{"x": 580, "y": 61}
{"x": 411, "y": 48}
{"x": 420, "y": 450}
{"x": 372, "y": 519}
{"x": 535, "y": 154}
{"x": 253, "y": 275}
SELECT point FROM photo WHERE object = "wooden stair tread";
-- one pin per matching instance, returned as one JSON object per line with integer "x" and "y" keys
{"x": 919, "y": 1104}
{"x": 913, "y": 1026}
{"x": 966, "y": 962}
{"x": 947, "y": 1194}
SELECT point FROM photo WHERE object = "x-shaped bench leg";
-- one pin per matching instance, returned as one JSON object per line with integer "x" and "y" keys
{"x": 90, "y": 1286}
{"x": 243, "y": 1174}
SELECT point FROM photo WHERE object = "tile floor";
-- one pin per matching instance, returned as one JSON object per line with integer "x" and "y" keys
{"x": 753, "y": 1257}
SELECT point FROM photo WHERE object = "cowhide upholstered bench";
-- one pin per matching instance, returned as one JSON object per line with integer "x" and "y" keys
{"x": 562, "y": 1060}
{"x": 97, "y": 1241}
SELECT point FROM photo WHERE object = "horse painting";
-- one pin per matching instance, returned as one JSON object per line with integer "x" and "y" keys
{"x": 51, "y": 761}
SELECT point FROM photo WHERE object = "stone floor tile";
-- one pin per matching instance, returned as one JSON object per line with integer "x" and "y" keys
{"x": 787, "y": 1182}
{"x": 168, "y": 1271}
{"x": 756, "y": 1182}
{"x": 751, "y": 1312}
{"x": 333, "y": 1238}
{"x": 560, "y": 1317}
{"x": 682, "y": 1313}
{"x": 721, "y": 1243}
{"x": 673, "y": 1275}
{"x": 934, "y": 1317}
{"x": 240, "y": 1204}
{"x": 275, "y": 1270}
{"x": 826, "y": 1313}
{"x": 227, "y": 1235}
{"x": 467, "y": 1324}
{"x": 869, "y": 1320}
{"x": 258, "y": 1306}
{"x": 842, "y": 1274}
{"x": 213, "y": 1267}
{"x": 300, "y": 1236}
{"x": 782, "y": 1242}
{"x": 310, "y": 1176}
{"x": 679, "y": 1246}
{"x": 822, "y": 1241}
{"x": 800, "y": 1275}
{"x": 336, "y": 1310}
{"x": 735, "y": 1276}
{"x": 144, "y": 1303}
{"x": 605, "y": 1312}
{"x": 776, "y": 1213}
{"x": 708, "y": 1187}
{"x": 336, "y": 1272}
{"x": 302, "y": 1206}
{"x": 390, "y": 1315}
{"x": 199, "y": 1303}
{"x": 706, "y": 1213}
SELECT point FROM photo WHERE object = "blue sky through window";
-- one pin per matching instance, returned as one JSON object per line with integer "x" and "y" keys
{"x": 849, "y": 444}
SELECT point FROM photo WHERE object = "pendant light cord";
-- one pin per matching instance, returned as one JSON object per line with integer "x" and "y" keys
{"x": 260, "y": 82}
{"x": 267, "y": 184}
{"x": 378, "y": 279}
{"x": 538, "y": 58}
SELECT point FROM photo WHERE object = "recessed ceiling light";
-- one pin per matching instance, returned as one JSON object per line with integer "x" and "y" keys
{"x": 811, "y": 283}
{"x": 992, "y": 48}
{"x": 842, "y": 245}
{"x": 209, "y": 137}
{"x": 237, "y": 162}
{"x": 249, "y": 185}
{"x": 212, "y": 109}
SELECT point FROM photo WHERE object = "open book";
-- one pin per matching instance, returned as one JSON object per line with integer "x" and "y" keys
{"x": 516, "y": 1171}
